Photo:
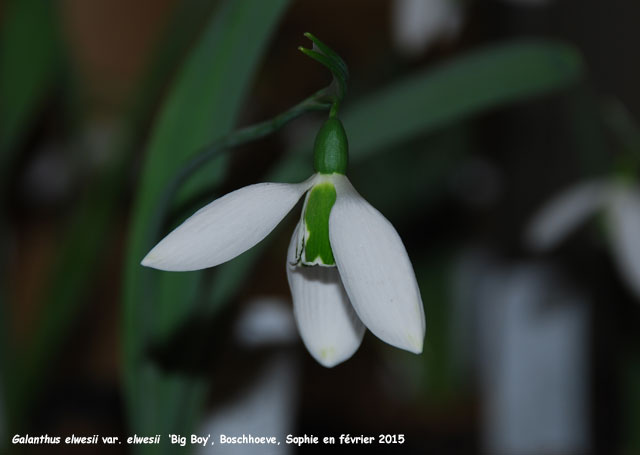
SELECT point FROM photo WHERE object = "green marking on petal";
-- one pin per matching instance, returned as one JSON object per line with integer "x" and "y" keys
{"x": 327, "y": 353}
{"x": 317, "y": 249}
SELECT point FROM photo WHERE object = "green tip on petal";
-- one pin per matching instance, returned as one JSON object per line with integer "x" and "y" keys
{"x": 331, "y": 148}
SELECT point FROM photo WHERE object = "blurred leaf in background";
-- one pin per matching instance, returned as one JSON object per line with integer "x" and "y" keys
{"x": 202, "y": 106}
{"x": 30, "y": 60}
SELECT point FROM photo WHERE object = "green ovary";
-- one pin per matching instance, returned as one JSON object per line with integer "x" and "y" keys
{"x": 317, "y": 249}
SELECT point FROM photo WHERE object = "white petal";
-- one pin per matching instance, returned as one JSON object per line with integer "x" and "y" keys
{"x": 266, "y": 321}
{"x": 624, "y": 225}
{"x": 330, "y": 329}
{"x": 417, "y": 24}
{"x": 226, "y": 227}
{"x": 565, "y": 212}
{"x": 375, "y": 270}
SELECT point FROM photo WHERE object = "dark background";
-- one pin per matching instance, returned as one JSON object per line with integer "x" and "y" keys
{"x": 507, "y": 162}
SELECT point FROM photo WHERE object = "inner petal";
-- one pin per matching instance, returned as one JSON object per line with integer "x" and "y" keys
{"x": 316, "y": 248}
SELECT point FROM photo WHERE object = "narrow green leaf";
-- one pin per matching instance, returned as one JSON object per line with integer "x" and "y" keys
{"x": 30, "y": 55}
{"x": 29, "y": 60}
{"x": 482, "y": 80}
{"x": 201, "y": 107}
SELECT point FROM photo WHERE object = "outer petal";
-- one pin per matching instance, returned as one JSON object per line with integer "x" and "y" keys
{"x": 565, "y": 212}
{"x": 624, "y": 225}
{"x": 226, "y": 227}
{"x": 376, "y": 270}
{"x": 329, "y": 327}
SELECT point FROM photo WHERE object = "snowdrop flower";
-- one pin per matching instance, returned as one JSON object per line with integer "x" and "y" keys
{"x": 618, "y": 200}
{"x": 346, "y": 265}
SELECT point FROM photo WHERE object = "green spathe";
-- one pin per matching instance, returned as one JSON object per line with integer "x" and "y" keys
{"x": 317, "y": 249}
{"x": 331, "y": 149}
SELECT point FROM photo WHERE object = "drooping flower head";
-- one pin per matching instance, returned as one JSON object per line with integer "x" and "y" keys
{"x": 346, "y": 265}
{"x": 617, "y": 199}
